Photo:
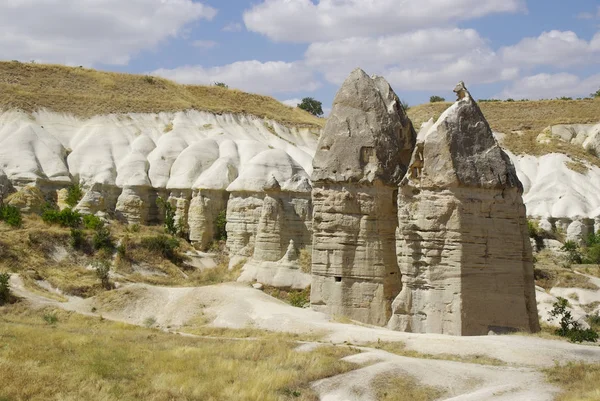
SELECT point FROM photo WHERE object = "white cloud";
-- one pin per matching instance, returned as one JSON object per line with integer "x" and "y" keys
{"x": 204, "y": 44}
{"x": 586, "y": 15}
{"x": 549, "y": 86}
{"x": 252, "y": 76}
{"x": 556, "y": 48}
{"x": 292, "y": 102}
{"x": 91, "y": 31}
{"x": 305, "y": 21}
{"x": 430, "y": 49}
{"x": 232, "y": 27}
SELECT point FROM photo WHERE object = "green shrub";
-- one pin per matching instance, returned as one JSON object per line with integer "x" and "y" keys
{"x": 435, "y": 99}
{"x": 221, "y": 226}
{"x": 170, "y": 226}
{"x": 570, "y": 328}
{"x": 50, "y": 318}
{"x": 4, "y": 288}
{"x": 572, "y": 250}
{"x": 163, "y": 245}
{"x": 66, "y": 218}
{"x": 11, "y": 215}
{"x": 75, "y": 193}
{"x": 102, "y": 268}
{"x": 299, "y": 298}
{"x": 102, "y": 239}
{"x": 77, "y": 239}
{"x": 92, "y": 222}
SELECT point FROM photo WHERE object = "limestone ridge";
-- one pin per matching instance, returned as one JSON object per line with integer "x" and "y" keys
{"x": 462, "y": 241}
{"x": 361, "y": 157}
{"x": 367, "y": 137}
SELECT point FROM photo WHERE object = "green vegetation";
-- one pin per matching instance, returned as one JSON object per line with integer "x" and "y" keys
{"x": 4, "y": 288}
{"x": 312, "y": 106}
{"x": 92, "y": 222}
{"x": 74, "y": 195}
{"x": 85, "y": 93}
{"x": 435, "y": 99}
{"x": 570, "y": 328}
{"x": 162, "y": 245}
{"x": 297, "y": 298}
{"x": 577, "y": 380}
{"x": 220, "y": 226}
{"x": 65, "y": 218}
{"x": 221, "y": 84}
{"x": 78, "y": 241}
{"x": 102, "y": 268}
{"x": 11, "y": 215}
{"x": 588, "y": 253}
{"x": 83, "y": 358}
{"x": 169, "y": 213}
{"x": 103, "y": 240}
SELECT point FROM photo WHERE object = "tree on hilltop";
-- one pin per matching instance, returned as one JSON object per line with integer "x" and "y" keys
{"x": 311, "y": 105}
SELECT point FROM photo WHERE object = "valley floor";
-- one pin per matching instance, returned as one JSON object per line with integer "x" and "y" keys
{"x": 233, "y": 342}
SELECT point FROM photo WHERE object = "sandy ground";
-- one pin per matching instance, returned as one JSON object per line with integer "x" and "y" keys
{"x": 239, "y": 306}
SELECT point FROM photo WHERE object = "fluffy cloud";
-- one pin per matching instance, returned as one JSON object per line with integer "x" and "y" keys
{"x": 91, "y": 31}
{"x": 549, "y": 86}
{"x": 252, "y": 76}
{"x": 424, "y": 52}
{"x": 292, "y": 102}
{"x": 305, "y": 21}
{"x": 556, "y": 48}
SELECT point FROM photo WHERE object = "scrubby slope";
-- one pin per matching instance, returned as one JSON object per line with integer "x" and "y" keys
{"x": 86, "y": 93}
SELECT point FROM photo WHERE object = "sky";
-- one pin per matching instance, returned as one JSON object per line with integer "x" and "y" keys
{"x": 291, "y": 49}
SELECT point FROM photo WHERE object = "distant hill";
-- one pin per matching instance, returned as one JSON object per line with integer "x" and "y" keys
{"x": 85, "y": 92}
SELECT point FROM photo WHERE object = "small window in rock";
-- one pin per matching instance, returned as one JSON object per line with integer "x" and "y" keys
{"x": 338, "y": 279}
{"x": 367, "y": 155}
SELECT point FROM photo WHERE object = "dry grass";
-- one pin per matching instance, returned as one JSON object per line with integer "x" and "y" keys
{"x": 305, "y": 260}
{"x": 399, "y": 348}
{"x": 578, "y": 381}
{"x": 389, "y": 387}
{"x": 81, "y": 358}
{"x": 85, "y": 93}
{"x": 530, "y": 119}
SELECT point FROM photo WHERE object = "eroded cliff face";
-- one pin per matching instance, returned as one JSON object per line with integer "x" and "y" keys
{"x": 360, "y": 159}
{"x": 462, "y": 244}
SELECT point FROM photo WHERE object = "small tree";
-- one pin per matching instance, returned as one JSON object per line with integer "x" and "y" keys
{"x": 221, "y": 226}
{"x": 170, "y": 226}
{"x": 435, "y": 99}
{"x": 102, "y": 268}
{"x": 596, "y": 94}
{"x": 75, "y": 193}
{"x": 221, "y": 84}
{"x": 311, "y": 105}
{"x": 4, "y": 288}
{"x": 568, "y": 326}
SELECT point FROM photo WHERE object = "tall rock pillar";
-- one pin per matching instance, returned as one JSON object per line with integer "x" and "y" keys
{"x": 361, "y": 157}
{"x": 463, "y": 245}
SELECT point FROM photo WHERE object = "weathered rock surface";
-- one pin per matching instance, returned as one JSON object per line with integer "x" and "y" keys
{"x": 463, "y": 244}
{"x": 360, "y": 159}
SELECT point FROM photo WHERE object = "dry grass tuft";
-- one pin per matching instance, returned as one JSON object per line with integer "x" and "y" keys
{"x": 399, "y": 348}
{"x": 305, "y": 260}
{"x": 85, "y": 93}
{"x": 389, "y": 387}
{"x": 69, "y": 356}
{"x": 577, "y": 380}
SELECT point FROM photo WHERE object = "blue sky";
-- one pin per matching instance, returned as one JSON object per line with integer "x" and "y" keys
{"x": 290, "y": 49}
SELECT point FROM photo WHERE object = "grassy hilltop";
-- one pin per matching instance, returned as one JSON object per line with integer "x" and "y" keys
{"x": 84, "y": 92}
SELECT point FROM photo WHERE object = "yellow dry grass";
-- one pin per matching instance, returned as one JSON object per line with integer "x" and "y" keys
{"x": 530, "y": 119}
{"x": 389, "y": 387}
{"x": 85, "y": 93}
{"x": 82, "y": 358}
{"x": 577, "y": 380}
{"x": 399, "y": 348}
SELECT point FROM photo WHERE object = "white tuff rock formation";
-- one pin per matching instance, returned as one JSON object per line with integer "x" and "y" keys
{"x": 463, "y": 244}
{"x": 360, "y": 159}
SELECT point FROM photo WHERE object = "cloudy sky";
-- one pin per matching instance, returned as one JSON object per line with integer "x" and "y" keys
{"x": 290, "y": 49}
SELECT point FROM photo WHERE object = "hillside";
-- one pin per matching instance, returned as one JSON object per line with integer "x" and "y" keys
{"x": 86, "y": 93}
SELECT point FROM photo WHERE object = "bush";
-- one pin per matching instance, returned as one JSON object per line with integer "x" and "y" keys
{"x": 102, "y": 268}
{"x": 221, "y": 84}
{"x": 299, "y": 298}
{"x": 570, "y": 328}
{"x": 11, "y": 215}
{"x": 405, "y": 105}
{"x": 4, "y": 288}
{"x": 311, "y": 105}
{"x": 102, "y": 239}
{"x": 77, "y": 239}
{"x": 435, "y": 99}
{"x": 50, "y": 318}
{"x": 221, "y": 226}
{"x": 74, "y": 195}
{"x": 92, "y": 222}
{"x": 66, "y": 217}
{"x": 572, "y": 250}
{"x": 162, "y": 245}
{"x": 170, "y": 226}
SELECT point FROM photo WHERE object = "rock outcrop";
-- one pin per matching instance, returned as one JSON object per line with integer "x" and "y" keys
{"x": 463, "y": 244}
{"x": 361, "y": 157}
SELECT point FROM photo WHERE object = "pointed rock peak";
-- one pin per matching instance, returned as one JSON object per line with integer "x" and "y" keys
{"x": 460, "y": 150}
{"x": 367, "y": 136}
{"x": 272, "y": 184}
{"x": 291, "y": 254}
